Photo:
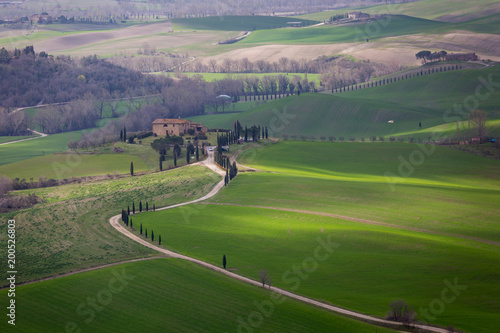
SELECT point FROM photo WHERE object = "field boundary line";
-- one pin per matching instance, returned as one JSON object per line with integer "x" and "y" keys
{"x": 120, "y": 227}
{"x": 359, "y": 220}
{"x": 83, "y": 270}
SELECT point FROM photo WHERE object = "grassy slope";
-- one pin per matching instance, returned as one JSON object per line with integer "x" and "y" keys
{"x": 349, "y": 179}
{"x": 392, "y": 26}
{"x": 428, "y": 9}
{"x": 71, "y": 229}
{"x": 367, "y": 112}
{"x": 165, "y": 295}
{"x": 209, "y": 77}
{"x": 235, "y": 23}
{"x": 368, "y": 269}
{"x": 371, "y": 266}
{"x": 65, "y": 166}
{"x": 4, "y": 139}
{"x": 34, "y": 148}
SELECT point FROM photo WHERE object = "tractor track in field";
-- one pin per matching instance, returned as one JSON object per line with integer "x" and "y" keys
{"x": 209, "y": 162}
{"x": 355, "y": 219}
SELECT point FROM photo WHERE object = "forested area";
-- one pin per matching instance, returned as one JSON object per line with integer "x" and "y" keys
{"x": 30, "y": 79}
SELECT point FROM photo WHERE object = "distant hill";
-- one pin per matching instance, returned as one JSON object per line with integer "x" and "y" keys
{"x": 237, "y": 23}
{"x": 367, "y": 112}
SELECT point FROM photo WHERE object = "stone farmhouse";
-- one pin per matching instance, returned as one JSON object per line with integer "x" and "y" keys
{"x": 357, "y": 15}
{"x": 176, "y": 127}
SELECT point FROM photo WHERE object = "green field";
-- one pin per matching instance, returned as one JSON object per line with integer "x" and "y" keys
{"x": 70, "y": 230}
{"x": 428, "y": 9}
{"x": 4, "y": 139}
{"x": 60, "y": 166}
{"x": 209, "y": 77}
{"x": 367, "y": 112}
{"x": 165, "y": 295}
{"x": 20, "y": 151}
{"x": 395, "y": 25}
{"x": 235, "y": 23}
{"x": 371, "y": 266}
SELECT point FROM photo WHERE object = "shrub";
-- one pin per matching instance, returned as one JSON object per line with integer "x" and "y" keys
{"x": 400, "y": 311}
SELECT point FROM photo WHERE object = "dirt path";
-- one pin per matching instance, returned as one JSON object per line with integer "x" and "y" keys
{"x": 209, "y": 162}
{"x": 354, "y": 219}
{"x": 41, "y": 135}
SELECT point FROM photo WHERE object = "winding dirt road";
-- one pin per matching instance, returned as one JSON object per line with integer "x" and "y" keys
{"x": 209, "y": 162}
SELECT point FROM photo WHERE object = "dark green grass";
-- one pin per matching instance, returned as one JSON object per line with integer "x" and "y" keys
{"x": 236, "y": 23}
{"x": 451, "y": 191}
{"x": 428, "y": 100}
{"x": 70, "y": 230}
{"x": 394, "y": 25}
{"x": 4, "y": 139}
{"x": 39, "y": 147}
{"x": 371, "y": 266}
{"x": 166, "y": 295}
{"x": 72, "y": 165}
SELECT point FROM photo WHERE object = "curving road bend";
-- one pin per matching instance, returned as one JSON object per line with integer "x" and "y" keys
{"x": 209, "y": 162}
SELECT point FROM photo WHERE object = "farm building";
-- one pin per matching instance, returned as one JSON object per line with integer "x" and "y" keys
{"x": 357, "y": 15}
{"x": 176, "y": 127}
{"x": 462, "y": 56}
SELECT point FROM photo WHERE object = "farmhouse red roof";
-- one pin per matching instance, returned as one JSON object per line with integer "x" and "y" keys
{"x": 170, "y": 121}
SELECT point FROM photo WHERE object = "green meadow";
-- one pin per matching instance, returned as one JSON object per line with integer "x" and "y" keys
{"x": 20, "y": 151}
{"x": 427, "y": 9}
{"x": 363, "y": 180}
{"x": 236, "y": 23}
{"x": 369, "y": 266}
{"x": 4, "y": 139}
{"x": 60, "y": 166}
{"x": 394, "y": 25}
{"x": 164, "y": 295}
{"x": 69, "y": 230}
{"x": 209, "y": 77}
{"x": 432, "y": 212}
{"x": 367, "y": 112}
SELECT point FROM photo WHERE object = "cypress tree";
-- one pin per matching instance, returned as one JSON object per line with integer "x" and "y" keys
{"x": 140, "y": 232}
{"x": 266, "y": 133}
{"x": 147, "y": 207}
{"x": 246, "y": 134}
{"x": 197, "y": 153}
{"x": 154, "y": 207}
{"x": 161, "y": 164}
{"x": 140, "y": 206}
{"x": 131, "y": 168}
{"x": 152, "y": 235}
{"x": 133, "y": 207}
{"x": 131, "y": 224}
{"x": 128, "y": 210}
{"x": 188, "y": 156}
{"x": 146, "y": 233}
{"x": 175, "y": 160}
{"x": 224, "y": 262}
{"x": 123, "y": 215}
{"x": 124, "y": 134}
{"x": 121, "y": 135}
{"x": 159, "y": 240}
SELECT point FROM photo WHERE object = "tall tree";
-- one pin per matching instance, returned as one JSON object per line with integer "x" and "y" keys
{"x": 124, "y": 134}
{"x": 133, "y": 207}
{"x": 140, "y": 232}
{"x": 131, "y": 168}
{"x": 147, "y": 207}
{"x": 152, "y": 235}
{"x": 159, "y": 239}
{"x": 224, "y": 262}
{"x": 140, "y": 206}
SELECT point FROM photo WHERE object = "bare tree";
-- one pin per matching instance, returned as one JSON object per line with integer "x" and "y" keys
{"x": 400, "y": 311}
{"x": 263, "y": 277}
{"x": 478, "y": 119}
